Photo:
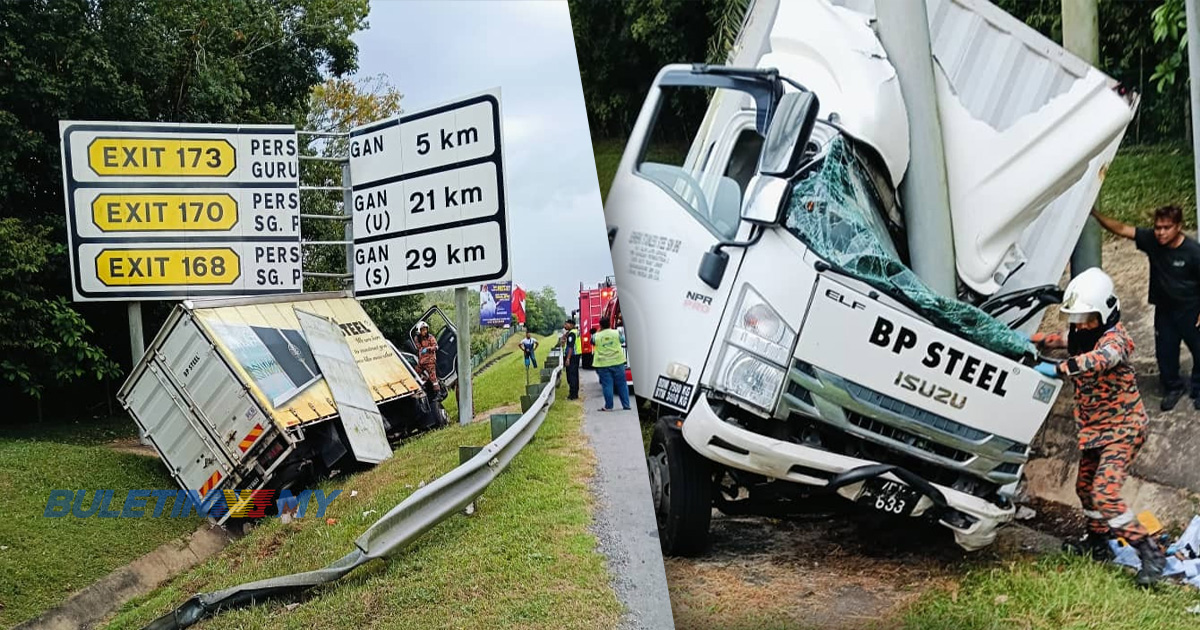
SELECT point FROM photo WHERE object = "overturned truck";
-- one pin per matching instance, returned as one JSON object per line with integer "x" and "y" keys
{"x": 274, "y": 392}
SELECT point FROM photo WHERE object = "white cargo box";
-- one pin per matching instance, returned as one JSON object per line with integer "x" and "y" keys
{"x": 230, "y": 388}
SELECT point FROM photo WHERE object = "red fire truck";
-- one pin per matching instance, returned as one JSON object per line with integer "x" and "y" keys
{"x": 591, "y": 305}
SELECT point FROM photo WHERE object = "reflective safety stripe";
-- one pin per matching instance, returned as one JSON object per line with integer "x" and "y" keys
{"x": 1121, "y": 520}
{"x": 248, "y": 441}
{"x": 1094, "y": 515}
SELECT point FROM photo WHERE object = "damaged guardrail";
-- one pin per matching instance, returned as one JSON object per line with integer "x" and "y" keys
{"x": 401, "y": 526}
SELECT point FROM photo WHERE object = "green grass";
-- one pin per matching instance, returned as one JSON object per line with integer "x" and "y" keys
{"x": 1143, "y": 178}
{"x": 48, "y": 558}
{"x": 1055, "y": 592}
{"x": 525, "y": 559}
{"x": 505, "y": 380}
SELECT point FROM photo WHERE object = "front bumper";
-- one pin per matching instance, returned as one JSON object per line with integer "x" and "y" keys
{"x": 739, "y": 448}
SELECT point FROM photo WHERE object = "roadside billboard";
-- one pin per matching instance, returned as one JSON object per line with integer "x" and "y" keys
{"x": 495, "y": 304}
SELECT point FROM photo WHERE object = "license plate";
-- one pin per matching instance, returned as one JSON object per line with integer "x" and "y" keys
{"x": 892, "y": 497}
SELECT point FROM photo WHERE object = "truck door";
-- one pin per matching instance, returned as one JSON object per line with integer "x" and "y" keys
{"x": 678, "y": 192}
{"x": 447, "y": 338}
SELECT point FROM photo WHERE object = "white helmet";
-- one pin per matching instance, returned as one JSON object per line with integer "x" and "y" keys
{"x": 1090, "y": 292}
{"x": 421, "y": 324}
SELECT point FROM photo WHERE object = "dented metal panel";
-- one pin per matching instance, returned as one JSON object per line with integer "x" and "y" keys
{"x": 1028, "y": 130}
{"x": 359, "y": 415}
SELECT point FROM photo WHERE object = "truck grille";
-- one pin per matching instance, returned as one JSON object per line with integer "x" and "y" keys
{"x": 891, "y": 430}
{"x": 855, "y": 446}
{"x": 872, "y": 397}
{"x": 910, "y": 439}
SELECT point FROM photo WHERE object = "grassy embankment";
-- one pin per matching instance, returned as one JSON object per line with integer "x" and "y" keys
{"x": 524, "y": 559}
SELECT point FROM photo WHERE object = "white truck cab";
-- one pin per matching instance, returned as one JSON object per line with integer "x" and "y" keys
{"x": 785, "y": 346}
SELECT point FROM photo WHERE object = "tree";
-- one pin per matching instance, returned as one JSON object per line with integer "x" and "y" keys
{"x": 543, "y": 314}
{"x": 621, "y": 47}
{"x": 236, "y": 61}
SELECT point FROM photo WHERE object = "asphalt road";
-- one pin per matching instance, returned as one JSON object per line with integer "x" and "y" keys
{"x": 625, "y": 522}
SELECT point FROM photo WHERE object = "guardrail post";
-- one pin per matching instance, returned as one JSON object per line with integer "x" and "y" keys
{"x": 502, "y": 421}
{"x": 532, "y": 391}
{"x": 465, "y": 453}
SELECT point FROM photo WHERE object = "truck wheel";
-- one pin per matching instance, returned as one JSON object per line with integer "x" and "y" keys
{"x": 681, "y": 488}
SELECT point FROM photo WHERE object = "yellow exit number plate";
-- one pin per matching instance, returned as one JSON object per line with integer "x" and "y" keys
{"x": 167, "y": 267}
{"x": 154, "y": 212}
{"x": 145, "y": 157}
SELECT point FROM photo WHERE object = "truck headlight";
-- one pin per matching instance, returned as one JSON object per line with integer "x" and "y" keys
{"x": 747, "y": 377}
{"x": 757, "y": 349}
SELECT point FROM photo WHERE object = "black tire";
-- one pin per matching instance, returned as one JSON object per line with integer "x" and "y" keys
{"x": 681, "y": 488}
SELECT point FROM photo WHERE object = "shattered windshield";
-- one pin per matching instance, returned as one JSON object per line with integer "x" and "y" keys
{"x": 834, "y": 210}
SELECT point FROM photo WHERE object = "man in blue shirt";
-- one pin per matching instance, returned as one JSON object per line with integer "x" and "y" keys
{"x": 528, "y": 346}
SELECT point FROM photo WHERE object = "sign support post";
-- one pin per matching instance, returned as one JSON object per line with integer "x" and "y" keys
{"x": 462, "y": 320}
{"x": 137, "y": 345}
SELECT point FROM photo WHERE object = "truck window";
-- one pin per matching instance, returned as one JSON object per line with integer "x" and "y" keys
{"x": 704, "y": 157}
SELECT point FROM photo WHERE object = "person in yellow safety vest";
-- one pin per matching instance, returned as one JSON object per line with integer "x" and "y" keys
{"x": 609, "y": 361}
{"x": 572, "y": 348}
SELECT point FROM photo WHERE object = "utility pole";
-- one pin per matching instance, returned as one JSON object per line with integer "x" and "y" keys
{"x": 904, "y": 32}
{"x": 1193, "y": 35}
{"x": 1081, "y": 37}
{"x": 462, "y": 320}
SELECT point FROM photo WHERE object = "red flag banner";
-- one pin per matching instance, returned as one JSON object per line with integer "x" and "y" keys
{"x": 518, "y": 304}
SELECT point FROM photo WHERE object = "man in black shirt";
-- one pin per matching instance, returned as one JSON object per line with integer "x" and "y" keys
{"x": 1174, "y": 292}
{"x": 571, "y": 343}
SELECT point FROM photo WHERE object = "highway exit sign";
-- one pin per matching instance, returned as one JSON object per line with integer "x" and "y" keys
{"x": 428, "y": 199}
{"x": 160, "y": 211}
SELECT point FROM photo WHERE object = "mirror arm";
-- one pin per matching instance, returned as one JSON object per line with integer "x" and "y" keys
{"x": 755, "y": 237}
{"x": 712, "y": 264}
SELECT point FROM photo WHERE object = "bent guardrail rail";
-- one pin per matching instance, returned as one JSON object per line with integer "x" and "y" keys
{"x": 402, "y": 525}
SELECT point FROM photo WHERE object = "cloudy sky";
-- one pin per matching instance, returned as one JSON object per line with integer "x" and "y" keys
{"x": 436, "y": 52}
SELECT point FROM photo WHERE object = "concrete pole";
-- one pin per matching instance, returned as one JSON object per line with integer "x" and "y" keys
{"x": 462, "y": 321}
{"x": 137, "y": 339}
{"x": 137, "y": 345}
{"x": 904, "y": 32}
{"x": 1081, "y": 37}
{"x": 1193, "y": 35}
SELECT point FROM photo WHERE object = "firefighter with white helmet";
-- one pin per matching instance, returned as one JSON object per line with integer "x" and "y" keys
{"x": 1109, "y": 414}
{"x": 427, "y": 349}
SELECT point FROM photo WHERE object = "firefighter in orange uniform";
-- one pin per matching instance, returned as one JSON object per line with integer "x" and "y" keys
{"x": 427, "y": 349}
{"x": 1109, "y": 414}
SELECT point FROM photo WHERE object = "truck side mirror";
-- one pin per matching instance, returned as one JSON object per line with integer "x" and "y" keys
{"x": 712, "y": 266}
{"x": 781, "y": 155}
{"x": 765, "y": 196}
{"x": 791, "y": 126}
